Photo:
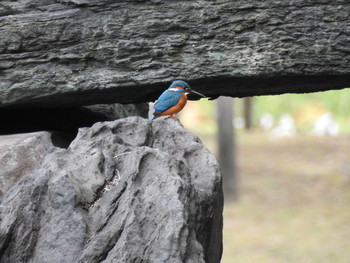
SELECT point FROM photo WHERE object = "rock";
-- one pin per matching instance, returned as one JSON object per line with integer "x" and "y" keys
{"x": 81, "y": 52}
{"x": 20, "y": 154}
{"x": 127, "y": 110}
{"x": 66, "y": 120}
{"x": 130, "y": 190}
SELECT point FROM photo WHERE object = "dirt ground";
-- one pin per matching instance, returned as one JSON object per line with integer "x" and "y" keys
{"x": 294, "y": 197}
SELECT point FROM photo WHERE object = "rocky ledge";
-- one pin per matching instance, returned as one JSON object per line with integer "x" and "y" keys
{"x": 130, "y": 190}
{"x": 72, "y": 53}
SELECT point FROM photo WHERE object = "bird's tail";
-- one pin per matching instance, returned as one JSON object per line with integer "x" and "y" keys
{"x": 153, "y": 116}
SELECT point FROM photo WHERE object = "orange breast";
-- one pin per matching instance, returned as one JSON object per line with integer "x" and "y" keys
{"x": 178, "y": 107}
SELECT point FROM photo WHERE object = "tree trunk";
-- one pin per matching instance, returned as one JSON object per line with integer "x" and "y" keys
{"x": 226, "y": 145}
{"x": 248, "y": 110}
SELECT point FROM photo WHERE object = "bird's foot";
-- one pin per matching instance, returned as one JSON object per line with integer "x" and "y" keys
{"x": 173, "y": 117}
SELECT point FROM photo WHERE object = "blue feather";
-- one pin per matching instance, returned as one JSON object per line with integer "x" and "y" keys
{"x": 179, "y": 83}
{"x": 167, "y": 100}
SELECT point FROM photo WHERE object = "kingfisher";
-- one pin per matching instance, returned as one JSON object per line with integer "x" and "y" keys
{"x": 173, "y": 99}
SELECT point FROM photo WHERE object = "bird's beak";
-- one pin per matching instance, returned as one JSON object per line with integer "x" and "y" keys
{"x": 195, "y": 92}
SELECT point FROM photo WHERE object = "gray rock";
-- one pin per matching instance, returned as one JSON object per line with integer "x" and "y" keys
{"x": 130, "y": 190}
{"x": 81, "y": 52}
{"x": 20, "y": 154}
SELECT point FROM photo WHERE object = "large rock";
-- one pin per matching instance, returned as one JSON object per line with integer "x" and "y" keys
{"x": 131, "y": 190}
{"x": 20, "y": 154}
{"x": 78, "y": 52}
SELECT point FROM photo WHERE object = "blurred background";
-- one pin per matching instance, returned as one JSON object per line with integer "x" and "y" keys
{"x": 288, "y": 174}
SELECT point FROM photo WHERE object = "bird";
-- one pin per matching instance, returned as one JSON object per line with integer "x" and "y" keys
{"x": 173, "y": 99}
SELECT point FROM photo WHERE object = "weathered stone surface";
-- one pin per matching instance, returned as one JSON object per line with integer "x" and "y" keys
{"x": 130, "y": 190}
{"x": 20, "y": 154}
{"x": 79, "y": 52}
